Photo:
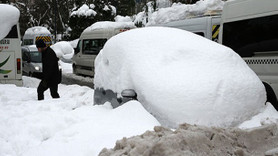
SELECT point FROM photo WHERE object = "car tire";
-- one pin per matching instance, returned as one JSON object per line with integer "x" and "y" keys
{"x": 270, "y": 95}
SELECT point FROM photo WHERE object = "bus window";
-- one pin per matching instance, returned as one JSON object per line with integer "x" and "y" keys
{"x": 247, "y": 37}
{"x": 13, "y": 33}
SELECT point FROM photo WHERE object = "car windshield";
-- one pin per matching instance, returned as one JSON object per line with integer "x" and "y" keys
{"x": 36, "y": 57}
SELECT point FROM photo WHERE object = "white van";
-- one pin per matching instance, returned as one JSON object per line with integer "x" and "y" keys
{"x": 206, "y": 26}
{"x": 10, "y": 58}
{"x": 250, "y": 28}
{"x": 34, "y": 33}
{"x": 92, "y": 41}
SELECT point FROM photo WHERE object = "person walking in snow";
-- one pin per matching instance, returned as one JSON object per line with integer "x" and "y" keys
{"x": 51, "y": 76}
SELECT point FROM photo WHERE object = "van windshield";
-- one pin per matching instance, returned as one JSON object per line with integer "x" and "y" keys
{"x": 35, "y": 57}
{"x": 247, "y": 37}
{"x": 93, "y": 46}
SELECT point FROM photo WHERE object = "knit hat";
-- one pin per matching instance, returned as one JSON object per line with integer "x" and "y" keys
{"x": 40, "y": 43}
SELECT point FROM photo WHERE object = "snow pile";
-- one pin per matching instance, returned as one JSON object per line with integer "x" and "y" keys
{"x": 37, "y": 30}
{"x": 119, "y": 18}
{"x": 192, "y": 140}
{"x": 181, "y": 11}
{"x": 69, "y": 126}
{"x": 74, "y": 43}
{"x": 268, "y": 116}
{"x": 109, "y": 24}
{"x": 181, "y": 77}
{"x": 9, "y": 16}
{"x": 63, "y": 50}
{"x": 84, "y": 10}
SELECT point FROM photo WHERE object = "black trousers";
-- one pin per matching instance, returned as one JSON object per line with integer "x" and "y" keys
{"x": 43, "y": 87}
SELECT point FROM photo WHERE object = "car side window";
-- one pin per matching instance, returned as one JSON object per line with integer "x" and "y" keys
{"x": 25, "y": 56}
{"x": 93, "y": 46}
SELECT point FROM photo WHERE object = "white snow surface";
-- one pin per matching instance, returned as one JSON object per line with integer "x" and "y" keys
{"x": 119, "y": 18}
{"x": 180, "y": 11}
{"x": 109, "y": 24}
{"x": 37, "y": 30}
{"x": 69, "y": 126}
{"x": 63, "y": 49}
{"x": 72, "y": 125}
{"x": 9, "y": 16}
{"x": 84, "y": 10}
{"x": 181, "y": 77}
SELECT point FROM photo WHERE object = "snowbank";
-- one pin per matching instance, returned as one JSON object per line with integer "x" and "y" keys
{"x": 181, "y": 77}
{"x": 198, "y": 140}
{"x": 63, "y": 50}
{"x": 68, "y": 126}
{"x": 9, "y": 16}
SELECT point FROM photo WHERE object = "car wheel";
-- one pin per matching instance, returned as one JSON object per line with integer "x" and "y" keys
{"x": 270, "y": 95}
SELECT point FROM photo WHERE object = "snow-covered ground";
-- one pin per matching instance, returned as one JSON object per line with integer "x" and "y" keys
{"x": 71, "y": 125}
{"x": 68, "y": 126}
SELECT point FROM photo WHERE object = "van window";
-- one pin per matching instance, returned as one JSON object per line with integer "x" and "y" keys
{"x": 27, "y": 42}
{"x": 247, "y": 37}
{"x": 93, "y": 46}
{"x": 78, "y": 47}
{"x": 13, "y": 33}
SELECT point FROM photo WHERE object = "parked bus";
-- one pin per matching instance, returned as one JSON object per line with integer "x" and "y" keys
{"x": 10, "y": 58}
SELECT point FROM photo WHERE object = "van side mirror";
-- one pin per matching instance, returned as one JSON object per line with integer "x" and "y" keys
{"x": 129, "y": 93}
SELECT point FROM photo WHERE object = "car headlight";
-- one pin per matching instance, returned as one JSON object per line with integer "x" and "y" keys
{"x": 37, "y": 68}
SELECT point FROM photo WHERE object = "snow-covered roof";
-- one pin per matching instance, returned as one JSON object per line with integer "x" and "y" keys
{"x": 109, "y": 25}
{"x": 180, "y": 77}
{"x": 180, "y": 11}
{"x": 37, "y": 30}
{"x": 9, "y": 16}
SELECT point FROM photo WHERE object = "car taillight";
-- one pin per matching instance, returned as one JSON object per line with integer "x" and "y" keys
{"x": 18, "y": 65}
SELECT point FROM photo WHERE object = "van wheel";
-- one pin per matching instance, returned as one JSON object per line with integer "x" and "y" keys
{"x": 270, "y": 95}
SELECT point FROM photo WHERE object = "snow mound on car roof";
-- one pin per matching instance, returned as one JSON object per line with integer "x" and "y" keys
{"x": 181, "y": 77}
{"x": 37, "y": 30}
{"x": 9, "y": 16}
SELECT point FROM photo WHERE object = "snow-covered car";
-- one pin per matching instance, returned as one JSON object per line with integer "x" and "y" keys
{"x": 174, "y": 73}
{"x": 32, "y": 61}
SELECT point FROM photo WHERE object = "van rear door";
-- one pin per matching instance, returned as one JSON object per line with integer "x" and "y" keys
{"x": 7, "y": 65}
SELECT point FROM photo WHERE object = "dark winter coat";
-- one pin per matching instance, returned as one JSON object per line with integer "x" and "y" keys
{"x": 50, "y": 68}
